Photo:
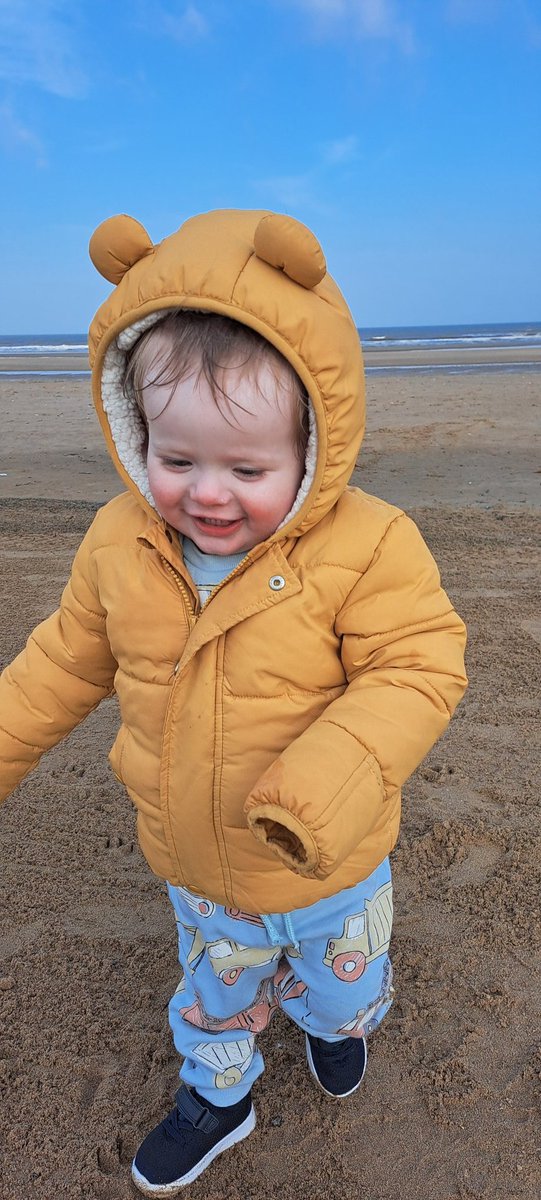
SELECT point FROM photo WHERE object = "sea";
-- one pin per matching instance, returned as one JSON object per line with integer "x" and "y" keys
{"x": 523, "y": 337}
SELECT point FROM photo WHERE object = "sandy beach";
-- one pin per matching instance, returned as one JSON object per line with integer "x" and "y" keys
{"x": 450, "y": 1106}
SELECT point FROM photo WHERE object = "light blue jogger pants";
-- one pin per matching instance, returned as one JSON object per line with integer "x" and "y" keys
{"x": 325, "y": 966}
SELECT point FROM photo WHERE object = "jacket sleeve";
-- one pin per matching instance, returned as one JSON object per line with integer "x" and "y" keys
{"x": 64, "y": 672}
{"x": 402, "y": 648}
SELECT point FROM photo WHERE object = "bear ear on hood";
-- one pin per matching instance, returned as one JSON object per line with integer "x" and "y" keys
{"x": 289, "y": 245}
{"x": 117, "y": 244}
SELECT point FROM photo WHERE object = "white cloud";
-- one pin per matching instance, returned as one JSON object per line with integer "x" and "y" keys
{"x": 187, "y": 25}
{"x": 471, "y": 11}
{"x": 38, "y": 45}
{"x": 343, "y": 150}
{"x": 362, "y": 19}
{"x": 520, "y": 15}
{"x": 290, "y": 191}
{"x": 16, "y": 136}
{"x": 307, "y": 189}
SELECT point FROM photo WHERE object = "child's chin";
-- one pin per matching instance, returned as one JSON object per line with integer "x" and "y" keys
{"x": 222, "y": 546}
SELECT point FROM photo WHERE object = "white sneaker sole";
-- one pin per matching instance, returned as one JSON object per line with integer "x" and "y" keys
{"x": 334, "y": 1095}
{"x": 170, "y": 1189}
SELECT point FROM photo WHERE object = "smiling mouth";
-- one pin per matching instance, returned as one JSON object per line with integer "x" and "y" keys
{"x": 214, "y": 521}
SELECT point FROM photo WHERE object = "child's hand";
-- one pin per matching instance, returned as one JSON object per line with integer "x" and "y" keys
{"x": 284, "y": 842}
{"x": 311, "y": 811}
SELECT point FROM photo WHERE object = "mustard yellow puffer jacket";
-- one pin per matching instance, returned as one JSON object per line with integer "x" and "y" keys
{"x": 264, "y": 739}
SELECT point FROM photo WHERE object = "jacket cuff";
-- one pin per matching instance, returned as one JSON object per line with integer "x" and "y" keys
{"x": 286, "y": 836}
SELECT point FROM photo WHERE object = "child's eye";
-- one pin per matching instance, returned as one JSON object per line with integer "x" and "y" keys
{"x": 176, "y": 462}
{"x": 249, "y": 472}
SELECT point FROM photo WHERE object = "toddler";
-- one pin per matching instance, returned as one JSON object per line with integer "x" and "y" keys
{"x": 281, "y": 649}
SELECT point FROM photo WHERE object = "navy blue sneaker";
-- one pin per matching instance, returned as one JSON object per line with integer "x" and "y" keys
{"x": 338, "y": 1067}
{"x": 187, "y": 1141}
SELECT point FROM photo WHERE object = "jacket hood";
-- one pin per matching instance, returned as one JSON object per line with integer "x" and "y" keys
{"x": 264, "y": 270}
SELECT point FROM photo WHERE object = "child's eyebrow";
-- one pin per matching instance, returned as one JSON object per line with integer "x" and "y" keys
{"x": 256, "y": 456}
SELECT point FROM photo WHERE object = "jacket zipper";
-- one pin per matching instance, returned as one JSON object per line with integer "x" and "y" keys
{"x": 191, "y": 614}
{"x": 226, "y": 579}
{"x": 192, "y": 618}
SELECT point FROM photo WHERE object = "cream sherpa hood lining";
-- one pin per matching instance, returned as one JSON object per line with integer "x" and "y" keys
{"x": 127, "y": 427}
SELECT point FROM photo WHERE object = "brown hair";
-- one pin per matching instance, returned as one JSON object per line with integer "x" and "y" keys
{"x": 210, "y": 342}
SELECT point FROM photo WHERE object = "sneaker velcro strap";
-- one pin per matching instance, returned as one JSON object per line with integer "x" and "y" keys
{"x": 195, "y": 1113}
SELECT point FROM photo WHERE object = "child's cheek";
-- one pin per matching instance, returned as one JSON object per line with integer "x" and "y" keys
{"x": 169, "y": 489}
{"x": 261, "y": 506}
{"x": 268, "y": 511}
{"x": 162, "y": 484}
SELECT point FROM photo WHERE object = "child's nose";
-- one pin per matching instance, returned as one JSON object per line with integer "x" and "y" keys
{"x": 208, "y": 487}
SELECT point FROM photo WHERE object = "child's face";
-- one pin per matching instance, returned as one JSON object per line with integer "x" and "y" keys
{"x": 225, "y": 481}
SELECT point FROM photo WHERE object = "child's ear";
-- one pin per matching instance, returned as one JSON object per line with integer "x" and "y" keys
{"x": 289, "y": 245}
{"x": 117, "y": 244}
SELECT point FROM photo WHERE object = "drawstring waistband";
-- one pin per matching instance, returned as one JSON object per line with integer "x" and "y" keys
{"x": 290, "y": 931}
{"x": 274, "y": 936}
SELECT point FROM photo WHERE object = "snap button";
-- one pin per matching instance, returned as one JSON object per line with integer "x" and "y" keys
{"x": 277, "y": 582}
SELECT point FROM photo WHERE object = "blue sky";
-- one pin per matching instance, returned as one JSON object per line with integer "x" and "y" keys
{"x": 405, "y": 133}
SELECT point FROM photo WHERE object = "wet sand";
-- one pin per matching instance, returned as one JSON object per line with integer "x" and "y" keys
{"x": 473, "y": 356}
{"x": 450, "y": 1106}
